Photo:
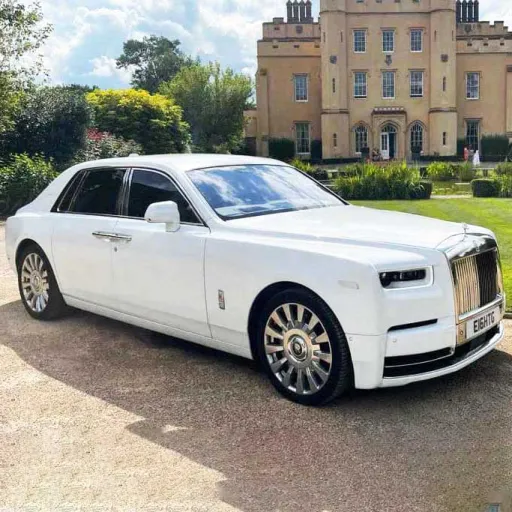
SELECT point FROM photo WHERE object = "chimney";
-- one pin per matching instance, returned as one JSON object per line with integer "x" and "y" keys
{"x": 458, "y": 11}
{"x": 309, "y": 13}
{"x": 476, "y": 11}
{"x": 302, "y": 11}
{"x": 464, "y": 11}
{"x": 295, "y": 17}
{"x": 289, "y": 10}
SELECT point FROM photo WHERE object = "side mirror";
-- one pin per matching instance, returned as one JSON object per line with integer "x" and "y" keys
{"x": 164, "y": 213}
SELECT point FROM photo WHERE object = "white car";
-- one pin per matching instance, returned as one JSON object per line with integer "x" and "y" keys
{"x": 252, "y": 257}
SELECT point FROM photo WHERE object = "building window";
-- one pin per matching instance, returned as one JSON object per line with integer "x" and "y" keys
{"x": 472, "y": 86}
{"x": 388, "y": 41}
{"x": 334, "y": 85}
{"x": 360, "y": 41}
{"x": 388, "y": 84}
{"x": 416, "y": 138}
{"x": 302, "y": 138}
{"x": 444, "y": 84}
{"x": 473, "y": 134}
{"x": 445, "y": 138}
{"x": 335, "y": 140}
{"x": 361, "y": 135}
{"x": 360, "y": 85}
{"x": 416, "y": 40}
{"x": 416, "y": 79}
{"x": 301, "y": 87}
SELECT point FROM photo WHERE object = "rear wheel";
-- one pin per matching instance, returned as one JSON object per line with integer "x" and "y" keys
{"x": 303, "y": 348}
{"x": 38, "y": 287}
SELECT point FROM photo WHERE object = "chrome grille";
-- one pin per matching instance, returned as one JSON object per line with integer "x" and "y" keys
{"x": 477, "y": 281}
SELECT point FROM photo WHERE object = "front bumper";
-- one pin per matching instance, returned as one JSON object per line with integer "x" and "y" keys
{"x": 455, "y": 364}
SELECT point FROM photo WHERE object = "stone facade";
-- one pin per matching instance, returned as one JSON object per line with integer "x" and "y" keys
{"x": 402, "y": 76}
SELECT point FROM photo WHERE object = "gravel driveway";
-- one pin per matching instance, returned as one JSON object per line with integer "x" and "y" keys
{"x": 99, "y": 416}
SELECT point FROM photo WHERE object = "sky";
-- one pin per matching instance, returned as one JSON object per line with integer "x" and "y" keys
{"x": 88, "y": 35}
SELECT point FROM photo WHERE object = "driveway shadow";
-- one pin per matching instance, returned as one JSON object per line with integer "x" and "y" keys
{"x": 443, "y": 445}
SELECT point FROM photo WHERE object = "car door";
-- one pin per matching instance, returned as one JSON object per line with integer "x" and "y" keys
{"x": 159, "y": 276}
{"x": 84, "y": 220}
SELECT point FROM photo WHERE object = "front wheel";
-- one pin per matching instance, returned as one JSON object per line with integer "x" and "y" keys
{"x": 303, "y": 348}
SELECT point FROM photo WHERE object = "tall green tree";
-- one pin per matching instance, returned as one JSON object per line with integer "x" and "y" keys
{"x": 22, "y": 33}
{"x": 153, "y": 60}
{"x": 50, "y": 121}
{"x": 151, "y": 120}
{"x": 213, "y": 102}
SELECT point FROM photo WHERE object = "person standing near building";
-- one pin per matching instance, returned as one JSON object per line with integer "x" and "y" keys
{"x": 466, "y": 154}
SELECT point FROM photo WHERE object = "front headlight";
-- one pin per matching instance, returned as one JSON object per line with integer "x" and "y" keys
{"x": 406, "y": 278}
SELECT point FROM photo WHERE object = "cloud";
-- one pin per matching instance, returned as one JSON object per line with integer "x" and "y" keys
{"x": 106, "y": 67}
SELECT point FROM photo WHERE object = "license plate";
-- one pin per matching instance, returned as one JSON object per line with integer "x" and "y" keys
{"x": 483, "y": 323}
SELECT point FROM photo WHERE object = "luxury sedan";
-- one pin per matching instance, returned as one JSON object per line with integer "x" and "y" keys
{"x": 252, "y": 257}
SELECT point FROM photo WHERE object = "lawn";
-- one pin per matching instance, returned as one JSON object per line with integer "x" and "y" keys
{"x": 495, "y": 214}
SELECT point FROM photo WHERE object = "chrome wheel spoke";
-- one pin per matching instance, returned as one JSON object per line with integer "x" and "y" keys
{"x": 320, "y": 371}
{"x": 313, "y": 386}
{"x": 324, "y": 356}
{"x": 313, "y": 322}
{"x": 274, "y": 349}
{"x": 288, "y": 313}
{"x": 275, "y": 367}
{"x": 300, "y": 381}
{"x": 287, "y": 377}
{"x": 273, "y": 333}
{"x": 277, "y": 319}
{"x": 300, "y": 314}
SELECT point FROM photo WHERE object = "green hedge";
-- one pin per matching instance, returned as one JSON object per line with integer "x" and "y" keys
{"x": 495, "y": 148}
{"x": 504, "y": 169}
{"x": 22, "y": 180}
{"x": 394, "y": 181}
{"x": 281, "y": 149}
{"x": 485, "y": 188}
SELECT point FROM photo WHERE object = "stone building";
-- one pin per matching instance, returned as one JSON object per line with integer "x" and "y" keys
{"x": 399, "y": 75}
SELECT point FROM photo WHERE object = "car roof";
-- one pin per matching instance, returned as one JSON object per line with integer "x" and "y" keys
{"x": 182, "y": 162}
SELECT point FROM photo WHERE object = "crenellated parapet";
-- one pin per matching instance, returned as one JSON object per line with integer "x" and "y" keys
{"x": 482, "y": 37}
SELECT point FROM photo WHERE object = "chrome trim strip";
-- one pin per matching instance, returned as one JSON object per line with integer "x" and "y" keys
{"x": 428, "y": 361}
{"x": 468, "y": 316}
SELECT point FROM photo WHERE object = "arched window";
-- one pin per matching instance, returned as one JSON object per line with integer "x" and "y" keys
{"x": 361, "y": 135}
{"x": 444, "y": 84}
{"x": 416, "y": 138}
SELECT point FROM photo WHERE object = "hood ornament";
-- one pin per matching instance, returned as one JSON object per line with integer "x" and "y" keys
{"x": 465, "y": 227}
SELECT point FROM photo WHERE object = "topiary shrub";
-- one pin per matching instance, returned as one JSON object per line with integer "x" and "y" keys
{"x": 440, "y": 171}
{"x": 22, "y": 180}
{"x": 281, "y": 149}
{"x": 494, "y": 147}
{"x": 424, "y": 191}
{"x": 485, "y": 187}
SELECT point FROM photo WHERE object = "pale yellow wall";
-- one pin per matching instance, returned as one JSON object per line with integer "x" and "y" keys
{"x": 275, "y": 87}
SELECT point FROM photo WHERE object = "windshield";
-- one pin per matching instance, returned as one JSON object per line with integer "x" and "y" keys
{"x": 250, "y": 190}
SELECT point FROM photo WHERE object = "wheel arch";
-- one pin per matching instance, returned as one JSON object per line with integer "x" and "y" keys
{"x": 259, "y": 303}
{"x": 27, "y": 242}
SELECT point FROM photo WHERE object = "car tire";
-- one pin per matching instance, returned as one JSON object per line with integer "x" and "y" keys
{"x": 38, "y": 287}
{"x": 303, "y": 348}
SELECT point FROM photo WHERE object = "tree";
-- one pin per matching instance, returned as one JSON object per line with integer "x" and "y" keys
{"x": 154, "y": 60}
{"x": 21, "y": 35}
{"x": 51, "y": 121}
{"x": 153, "y": 121}
{"x": 213, "y": 103}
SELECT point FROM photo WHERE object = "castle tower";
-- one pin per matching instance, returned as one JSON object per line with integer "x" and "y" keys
{"x": 443, "y": 78}
{"x": 335, "y": 113}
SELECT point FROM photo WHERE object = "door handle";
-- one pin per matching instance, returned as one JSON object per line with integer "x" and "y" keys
{"x": 112, "y": 237}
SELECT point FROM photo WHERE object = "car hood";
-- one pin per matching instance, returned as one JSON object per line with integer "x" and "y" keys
{"x": 358, "y": 224}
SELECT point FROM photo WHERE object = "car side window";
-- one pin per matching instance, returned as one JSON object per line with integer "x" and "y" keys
{"x": 99, "y": 193}
{"x": 148, "y": 187}
{"x": 63, "y": 204}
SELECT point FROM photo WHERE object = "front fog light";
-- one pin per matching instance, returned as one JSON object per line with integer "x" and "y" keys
{"x": 388, "y": 279}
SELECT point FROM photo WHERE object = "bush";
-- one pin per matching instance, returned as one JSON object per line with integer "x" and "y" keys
{"x": 440, "y": 171}
{"x": 485, "y": 188}
{"x": 281, "y": 149}
{"x": 101, "y": 145}
{"x": 505, "y": 185}
{"x": 424, "y": 191}
{"x": 153, "y": 121}
{"x": 22, "y": 180}
{"x": 494, "y": 148}
{"x": 394, "y": 181}
{"x": 504, "y": 169}
{"x": 465, "y": 172}
{"x": 302, "y": 165}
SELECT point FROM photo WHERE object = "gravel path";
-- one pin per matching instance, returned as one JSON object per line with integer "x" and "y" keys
{"x": 99, "y": 416}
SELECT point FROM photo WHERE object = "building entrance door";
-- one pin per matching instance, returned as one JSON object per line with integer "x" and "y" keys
{"x": 388, "y": 142}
